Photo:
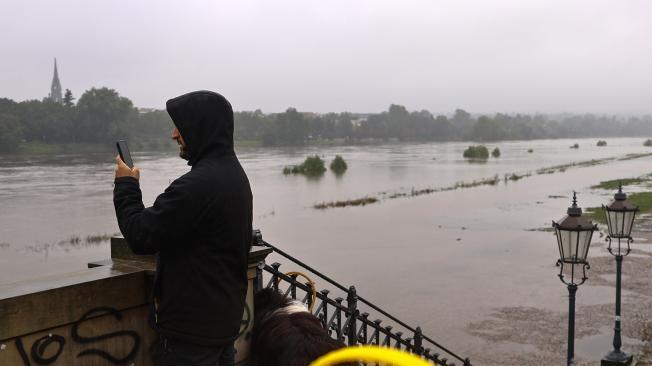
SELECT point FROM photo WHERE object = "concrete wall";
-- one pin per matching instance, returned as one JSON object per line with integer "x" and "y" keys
{"x": 98, "y": 316}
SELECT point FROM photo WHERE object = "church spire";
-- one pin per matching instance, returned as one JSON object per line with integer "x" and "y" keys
{"x": 55, "y": 88}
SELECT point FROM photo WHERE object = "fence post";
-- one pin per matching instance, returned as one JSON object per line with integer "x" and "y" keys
{"x": 377, "y": 331}
{"x": 338, "y": 318}
{"x": 352, "y": 303}
{"x": 388, "y": 336}
{"x": 324, "y": 302}
{"x": 365, "y": 336}
{"x": 426, "y": 353}
{"x": 399, "y": 339}
{"x": 275, "y": 275}
{"x": 309, "y": 294}
{"x": 258, "y": 284}
{"x": 418, "y": 342}
{"x": 293, "y": 287}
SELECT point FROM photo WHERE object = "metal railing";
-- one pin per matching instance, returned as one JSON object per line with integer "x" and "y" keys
{"x": 342, "y": 318}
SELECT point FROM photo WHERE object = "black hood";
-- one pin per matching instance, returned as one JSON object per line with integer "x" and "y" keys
{"x": 205, "y": 120}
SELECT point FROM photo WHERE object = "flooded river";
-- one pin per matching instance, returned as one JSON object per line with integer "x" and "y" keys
{"x": 442, "y": 260}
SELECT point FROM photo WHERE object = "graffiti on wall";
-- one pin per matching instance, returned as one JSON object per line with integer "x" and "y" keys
{"x": 53, "y": 344}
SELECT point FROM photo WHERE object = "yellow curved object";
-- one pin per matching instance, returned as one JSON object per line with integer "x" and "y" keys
{"x": 311, "y": 284}
{"x": 370, "y": 354}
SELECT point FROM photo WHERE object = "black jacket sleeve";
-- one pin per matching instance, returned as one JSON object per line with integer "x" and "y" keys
{"x": 173, "y": 214}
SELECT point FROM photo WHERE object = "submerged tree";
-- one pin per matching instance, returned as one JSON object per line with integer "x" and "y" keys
{"x": 476, "y": 152}
{"x": 338, "y": 165}
{"x": 313, "y": 166}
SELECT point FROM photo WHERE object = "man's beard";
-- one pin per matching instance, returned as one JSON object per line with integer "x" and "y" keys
{"x": 184, "y": 153}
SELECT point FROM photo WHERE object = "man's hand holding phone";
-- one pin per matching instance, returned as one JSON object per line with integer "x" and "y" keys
{"x": 122, "y": 170}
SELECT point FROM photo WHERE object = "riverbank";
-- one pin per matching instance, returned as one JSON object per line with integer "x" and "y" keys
{"x": 50, "y": 148}
{"x": 54, "y": 148}
{"x": 541, "y": 334}
{"x": 163, "y": 144}
{"x": 538, "y": 336}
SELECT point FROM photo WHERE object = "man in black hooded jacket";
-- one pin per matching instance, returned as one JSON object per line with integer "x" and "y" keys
{"x": 200, "y": 229}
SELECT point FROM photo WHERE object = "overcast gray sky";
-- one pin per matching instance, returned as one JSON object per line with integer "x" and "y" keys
{"x": 330, "y": 55}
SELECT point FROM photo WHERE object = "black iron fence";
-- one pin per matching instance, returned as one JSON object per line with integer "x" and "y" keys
{"x": 342, "y": 317}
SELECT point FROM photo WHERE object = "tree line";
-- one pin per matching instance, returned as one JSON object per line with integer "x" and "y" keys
{"x": 101, "y": 115}
{"x": 397, "y": 123}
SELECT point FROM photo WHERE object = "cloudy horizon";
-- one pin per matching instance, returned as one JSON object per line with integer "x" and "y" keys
{"x": 544, "y": 56}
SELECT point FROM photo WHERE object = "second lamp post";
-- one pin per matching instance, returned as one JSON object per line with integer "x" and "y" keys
{"x": 620, "y": 215}
{"x": 574, "y": 233}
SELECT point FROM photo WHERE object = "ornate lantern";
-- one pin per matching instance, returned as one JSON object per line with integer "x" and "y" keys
{"x": 620, "y": 215}
{"x": 574, "y": 233}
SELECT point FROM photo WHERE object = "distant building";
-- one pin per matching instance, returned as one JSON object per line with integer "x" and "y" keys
{"x": 310, "y": 115}
{"x": 146, "y": 110}
{"x": 358, "y": 119}
{"x": 55, "y": 89}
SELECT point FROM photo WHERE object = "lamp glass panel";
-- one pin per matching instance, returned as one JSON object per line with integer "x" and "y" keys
{"x": 615, "y": 222}
{"x": 584, "y": 243}
{"x": 568, "y": 245}
{"x": 559, "y": 234}
{"x": 629, "y": 220}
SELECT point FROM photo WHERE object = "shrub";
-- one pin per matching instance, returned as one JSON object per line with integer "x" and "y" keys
{"x": 476, "y": 152}
{"x": 338, "y": 165}
{"x": 291, "y": 169}
{"x": 312, "y": 166}
{"x": 647, "y": 142}
{"x": 495, "y": 153}
{"x": 530, "y": 151}
{"x": 602, "y": 143}
{"x": 576, "y": 146}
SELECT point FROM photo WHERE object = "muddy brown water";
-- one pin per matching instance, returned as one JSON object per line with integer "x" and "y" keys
{"x": 444, "y": 261}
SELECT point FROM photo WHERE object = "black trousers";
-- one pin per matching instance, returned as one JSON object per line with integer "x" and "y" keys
{"x": 170, "y": 352}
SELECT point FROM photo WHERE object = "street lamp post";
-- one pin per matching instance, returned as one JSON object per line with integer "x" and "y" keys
{"x": 574, "y": 234}
{"x": 620, "y": 215}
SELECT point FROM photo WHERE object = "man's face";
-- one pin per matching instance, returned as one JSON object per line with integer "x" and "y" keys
{"x": 183, "y": 149}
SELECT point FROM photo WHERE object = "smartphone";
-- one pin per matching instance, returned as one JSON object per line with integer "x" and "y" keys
{"x": 125, "y": 155}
